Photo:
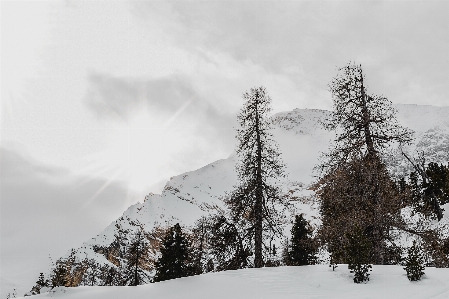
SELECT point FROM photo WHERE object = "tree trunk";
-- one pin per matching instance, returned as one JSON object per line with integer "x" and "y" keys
{"x": 137, "y": 262}
{"x": 366, "y": 122}
{"x": 258, "y": 207}
{"x": 377, "y": 229}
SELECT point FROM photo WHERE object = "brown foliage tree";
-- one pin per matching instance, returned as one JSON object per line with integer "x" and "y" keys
{"x": 355, "y": 188}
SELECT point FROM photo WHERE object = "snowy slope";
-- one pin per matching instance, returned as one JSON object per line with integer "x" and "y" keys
{"x": 301, "y": 138}
{"x": 317, "y": 281}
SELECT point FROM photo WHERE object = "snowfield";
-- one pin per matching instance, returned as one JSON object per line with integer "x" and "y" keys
{"x": 317, "y": 281}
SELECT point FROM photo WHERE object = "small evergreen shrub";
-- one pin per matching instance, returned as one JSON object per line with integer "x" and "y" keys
{"x": 414, "y": 263}
{"x": 358, "y": 254}
{"x": 301, "y": 250}
{"x": 174, "y": 259}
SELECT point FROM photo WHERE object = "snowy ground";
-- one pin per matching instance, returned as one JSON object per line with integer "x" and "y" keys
{"x": 283, "y": 282}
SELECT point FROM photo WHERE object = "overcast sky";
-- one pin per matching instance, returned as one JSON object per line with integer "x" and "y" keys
{"x": 101, "y": 102}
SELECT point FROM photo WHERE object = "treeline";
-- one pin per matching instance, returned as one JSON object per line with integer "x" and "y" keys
{"x": 365, "y": 211}
{"x": 211, "y": 245}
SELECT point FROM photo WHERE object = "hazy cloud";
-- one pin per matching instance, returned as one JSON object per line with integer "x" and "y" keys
{"x": 401, "y": 45}
{"x": 111, "y": 96}
{"x": 46, "y": 210}
{"x": 174, "y": 96}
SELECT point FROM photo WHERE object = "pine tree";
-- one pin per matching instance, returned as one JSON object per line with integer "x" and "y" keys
{"x": 91, "y": 272}
{"x": 174, "y": 259}
{"x": 59, "y": 275}
{"x": 229, "y": 244}
{"x": 253, "y": 201}
{"x": 358, "y": 252}
{"x": 414, "y": 263}
{"x": 111, "y": 276}
{"x": 430, "y": 187}
{"x": 301, "y": 248}
{"x": 199, "y": 246}
{"x": 40, "y": 283}
{"x": 286, "y": 260}
{"x": 137, "y": 258}
{"x": 210, "y": 267}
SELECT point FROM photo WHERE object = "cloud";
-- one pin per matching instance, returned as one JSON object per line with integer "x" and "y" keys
{"x": 110, "y": 96}
{"x": 401, "y": 45}
{"x": 175, "y": 97}
{"x": 47, "y": 210}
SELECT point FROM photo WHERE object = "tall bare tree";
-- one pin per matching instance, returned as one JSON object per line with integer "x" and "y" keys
{"x": 365, "y": 124}
{"x": 253, "y": 201}
{"x": 137, "y": 259}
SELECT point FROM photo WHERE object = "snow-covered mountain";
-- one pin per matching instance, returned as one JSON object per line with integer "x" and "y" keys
{"x": 301, "y": 137}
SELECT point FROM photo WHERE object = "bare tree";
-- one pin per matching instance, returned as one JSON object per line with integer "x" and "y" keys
{"x": 365, "y": 124}
{"x": 253, "y": 201}
{"x": 137, "y": 259}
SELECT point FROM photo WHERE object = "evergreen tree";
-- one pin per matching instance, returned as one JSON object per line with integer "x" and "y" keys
{"x": 59, "y": 275}
{"x": 174, "y": 259}
{"x": 229, "y": 244}
{"x": 286, "y": 260}
{"x": 430, "y": 187}
{"x": 210, "y": 267}
{"x": 199, "y": 246}
{"x": 111, "y": 276}
{"x": 414, "y": 263}
{"x": 40, "y": 283}
{"x": 358, "y": 252}
{"x": 302, "y": 251}
{"x": 253, "y": 201}
{"x": 137, "y": 259}
{"x": 438, "y": 182}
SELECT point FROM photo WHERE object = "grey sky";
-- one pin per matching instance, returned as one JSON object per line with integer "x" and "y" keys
{"x": 46, "y": 211}
{"x": 113, "y": 98}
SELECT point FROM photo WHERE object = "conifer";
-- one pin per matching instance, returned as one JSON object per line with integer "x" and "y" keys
{"x": 358, "y": 252}
{"x": 59, "y": 275}
{"x": 174, "y": 259}
{"x": 253, "y": 201}
{"x": 137, "y": 257}
{"x": 414, "y": 263}
{"x": 301, "y": 248}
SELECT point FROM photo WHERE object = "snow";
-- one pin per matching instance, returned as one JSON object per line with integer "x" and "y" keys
{"x": 318, "y": 281}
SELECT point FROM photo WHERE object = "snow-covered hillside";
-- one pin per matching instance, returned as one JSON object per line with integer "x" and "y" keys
{"x": 317, "y": 281}
{"x": 186, "y": 197}
{"x": 301, "y": 138}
